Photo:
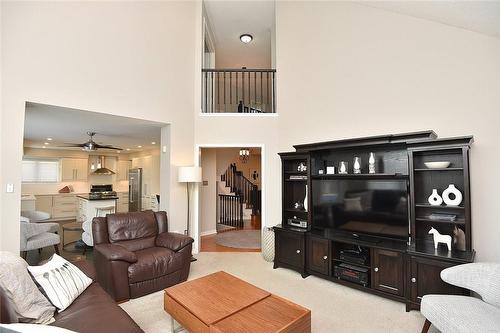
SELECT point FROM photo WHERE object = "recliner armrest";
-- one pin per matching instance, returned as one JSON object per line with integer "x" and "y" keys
{"x": 173, "y": 241}
{"x": 114, "y": 252}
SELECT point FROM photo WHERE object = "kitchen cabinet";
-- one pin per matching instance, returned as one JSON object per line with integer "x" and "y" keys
{"x": 59, "y": 206}
{"x": 64, "y": 206}
{"x": 122, "y": 204}
{"x": 44, "y": 203}
{"x": 74, "y": 169}
{"x": 388, "y": 275}
{"x": 123, "y": 168}
{"x": 318, "y": 252}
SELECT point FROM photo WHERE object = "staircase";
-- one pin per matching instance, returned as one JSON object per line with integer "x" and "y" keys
{"x": 239, "y": 199}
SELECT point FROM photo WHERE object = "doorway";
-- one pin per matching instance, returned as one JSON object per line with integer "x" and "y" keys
{"x": 230, "y": 199}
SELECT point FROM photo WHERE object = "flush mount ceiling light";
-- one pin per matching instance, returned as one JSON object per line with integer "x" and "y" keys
{"x": 246, "y": 38}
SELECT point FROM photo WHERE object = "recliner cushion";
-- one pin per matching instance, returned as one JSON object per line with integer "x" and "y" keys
{"x": 129, "y": 226}
{"x": 460, "y": 314}
{"x": 152, "y": 263}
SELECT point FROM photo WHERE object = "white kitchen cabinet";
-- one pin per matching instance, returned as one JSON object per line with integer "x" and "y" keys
{"x": 122, "y": 204}
{"x": 64, "y": 206}
{"x": 44, "y": 203}
{"x": 74, "y": 169}
{"x": 123, "y": 168}
{"x": 59, "y": 206}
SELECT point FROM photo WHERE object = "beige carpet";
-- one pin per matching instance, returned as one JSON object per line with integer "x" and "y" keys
{"x": 335, "y": 308}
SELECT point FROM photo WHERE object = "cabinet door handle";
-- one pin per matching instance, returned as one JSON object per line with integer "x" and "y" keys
{"x": 298, "y": 251}
{"x": 325, "y": 257}
{"x": 376, "y": 269}
{"x": 413, "y": 280}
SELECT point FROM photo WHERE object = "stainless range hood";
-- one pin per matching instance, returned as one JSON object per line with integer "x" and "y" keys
{"x": 102, "y": 170}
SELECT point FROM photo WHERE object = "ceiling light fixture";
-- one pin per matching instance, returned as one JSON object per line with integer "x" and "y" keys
{"x": 244, "y": 155}
{"x": 246, "y": 38}
{"x": 128, "y": 149}
{"x": 139, "y": 146}
{"x": 44, "y": 147}
{"x": 49, "y": 139}
{"x": 45, "y": 143}
{"x": 153, "y": 143}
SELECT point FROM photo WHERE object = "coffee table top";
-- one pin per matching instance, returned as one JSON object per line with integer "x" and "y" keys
{"x": 272, "y": 314}
{"x": 215, "y": 296}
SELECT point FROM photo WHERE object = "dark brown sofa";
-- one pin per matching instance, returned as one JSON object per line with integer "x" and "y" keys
{"x": 134, "y": 254}
{"x": 93, "y": 311}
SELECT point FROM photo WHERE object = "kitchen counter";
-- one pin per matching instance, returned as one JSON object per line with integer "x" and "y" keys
{"x": 86, "y": 197}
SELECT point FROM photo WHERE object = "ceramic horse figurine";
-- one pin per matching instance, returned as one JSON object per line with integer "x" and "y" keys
{"x": 438, "y": 238}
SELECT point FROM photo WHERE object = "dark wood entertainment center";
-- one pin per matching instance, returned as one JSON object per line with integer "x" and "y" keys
{"x": 399, "y": 269}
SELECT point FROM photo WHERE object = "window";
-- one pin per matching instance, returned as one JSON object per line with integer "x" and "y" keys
{"x": 40, "y": 171}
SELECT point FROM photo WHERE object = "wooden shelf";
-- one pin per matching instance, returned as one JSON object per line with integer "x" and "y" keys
{"x": 295, "y": 180}
{"x": 440, "y": 169}
{"x": 350, "y": 263}
{"x": 424, "y": 219}
{"x": 438, "y": 207}
{"x": 296, "y": 172}
{"x": 295, "y": 210}
{"x": 362, "y": 176}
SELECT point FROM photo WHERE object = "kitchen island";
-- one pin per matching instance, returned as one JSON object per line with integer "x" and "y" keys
{"x": 90, "y": 207}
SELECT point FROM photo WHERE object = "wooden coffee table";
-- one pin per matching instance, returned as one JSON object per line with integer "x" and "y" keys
{"x": 222, "y": 303}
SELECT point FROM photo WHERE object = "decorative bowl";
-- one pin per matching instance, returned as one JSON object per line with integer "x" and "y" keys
{"x": 437, "y": 165}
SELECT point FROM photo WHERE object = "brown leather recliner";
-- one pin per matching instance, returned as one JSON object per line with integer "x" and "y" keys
{"x": 134, "y": 254}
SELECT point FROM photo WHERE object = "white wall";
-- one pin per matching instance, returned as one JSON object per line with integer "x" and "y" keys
{"x": 132, "y": 59}
{"x": 208, "y": 193}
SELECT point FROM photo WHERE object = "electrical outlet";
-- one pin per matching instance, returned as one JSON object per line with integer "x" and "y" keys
{"x": 10, "y": 188}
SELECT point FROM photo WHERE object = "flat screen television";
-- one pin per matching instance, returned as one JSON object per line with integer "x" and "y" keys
{"x": 361, "y": 206}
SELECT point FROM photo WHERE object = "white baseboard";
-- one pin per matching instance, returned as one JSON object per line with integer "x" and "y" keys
{"x": 209, "y": 232}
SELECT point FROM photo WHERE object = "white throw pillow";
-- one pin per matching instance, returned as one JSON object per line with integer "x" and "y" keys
{"x": 34, "y": 328}
{"x": 30, "y": 305}
{"x": 62, "y": 281}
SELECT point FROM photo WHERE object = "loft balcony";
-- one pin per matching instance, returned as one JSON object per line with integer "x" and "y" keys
{"x": 238, "y": 91}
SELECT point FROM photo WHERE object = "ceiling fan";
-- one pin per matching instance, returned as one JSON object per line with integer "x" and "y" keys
{"x": 91, "y": 145}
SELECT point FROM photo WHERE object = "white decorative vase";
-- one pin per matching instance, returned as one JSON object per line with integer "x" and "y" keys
{"x": 371, "y": 163}
{"x": 435, "y": 199}
{"x": 357, "y": 165}
{"x": 268, "y": 244}
{"x": 305, "y": 201}
{"x": 343, "y": 167}
{"x": 452, "y": 190}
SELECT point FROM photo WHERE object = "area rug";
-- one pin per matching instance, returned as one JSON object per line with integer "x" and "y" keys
{"x": 242, "y": 239}
{"x": 334, "y": 308}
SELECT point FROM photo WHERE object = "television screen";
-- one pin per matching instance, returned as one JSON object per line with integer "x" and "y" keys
{"x": 365, "y": 206}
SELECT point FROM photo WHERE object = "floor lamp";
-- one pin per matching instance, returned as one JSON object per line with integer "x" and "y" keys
{"x": 189, "y": 175}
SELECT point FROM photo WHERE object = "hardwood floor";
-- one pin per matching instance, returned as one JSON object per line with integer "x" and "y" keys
{"x": 208, "y": 243}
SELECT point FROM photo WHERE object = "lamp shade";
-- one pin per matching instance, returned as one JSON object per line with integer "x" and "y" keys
{"x": 189, "y": 174}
